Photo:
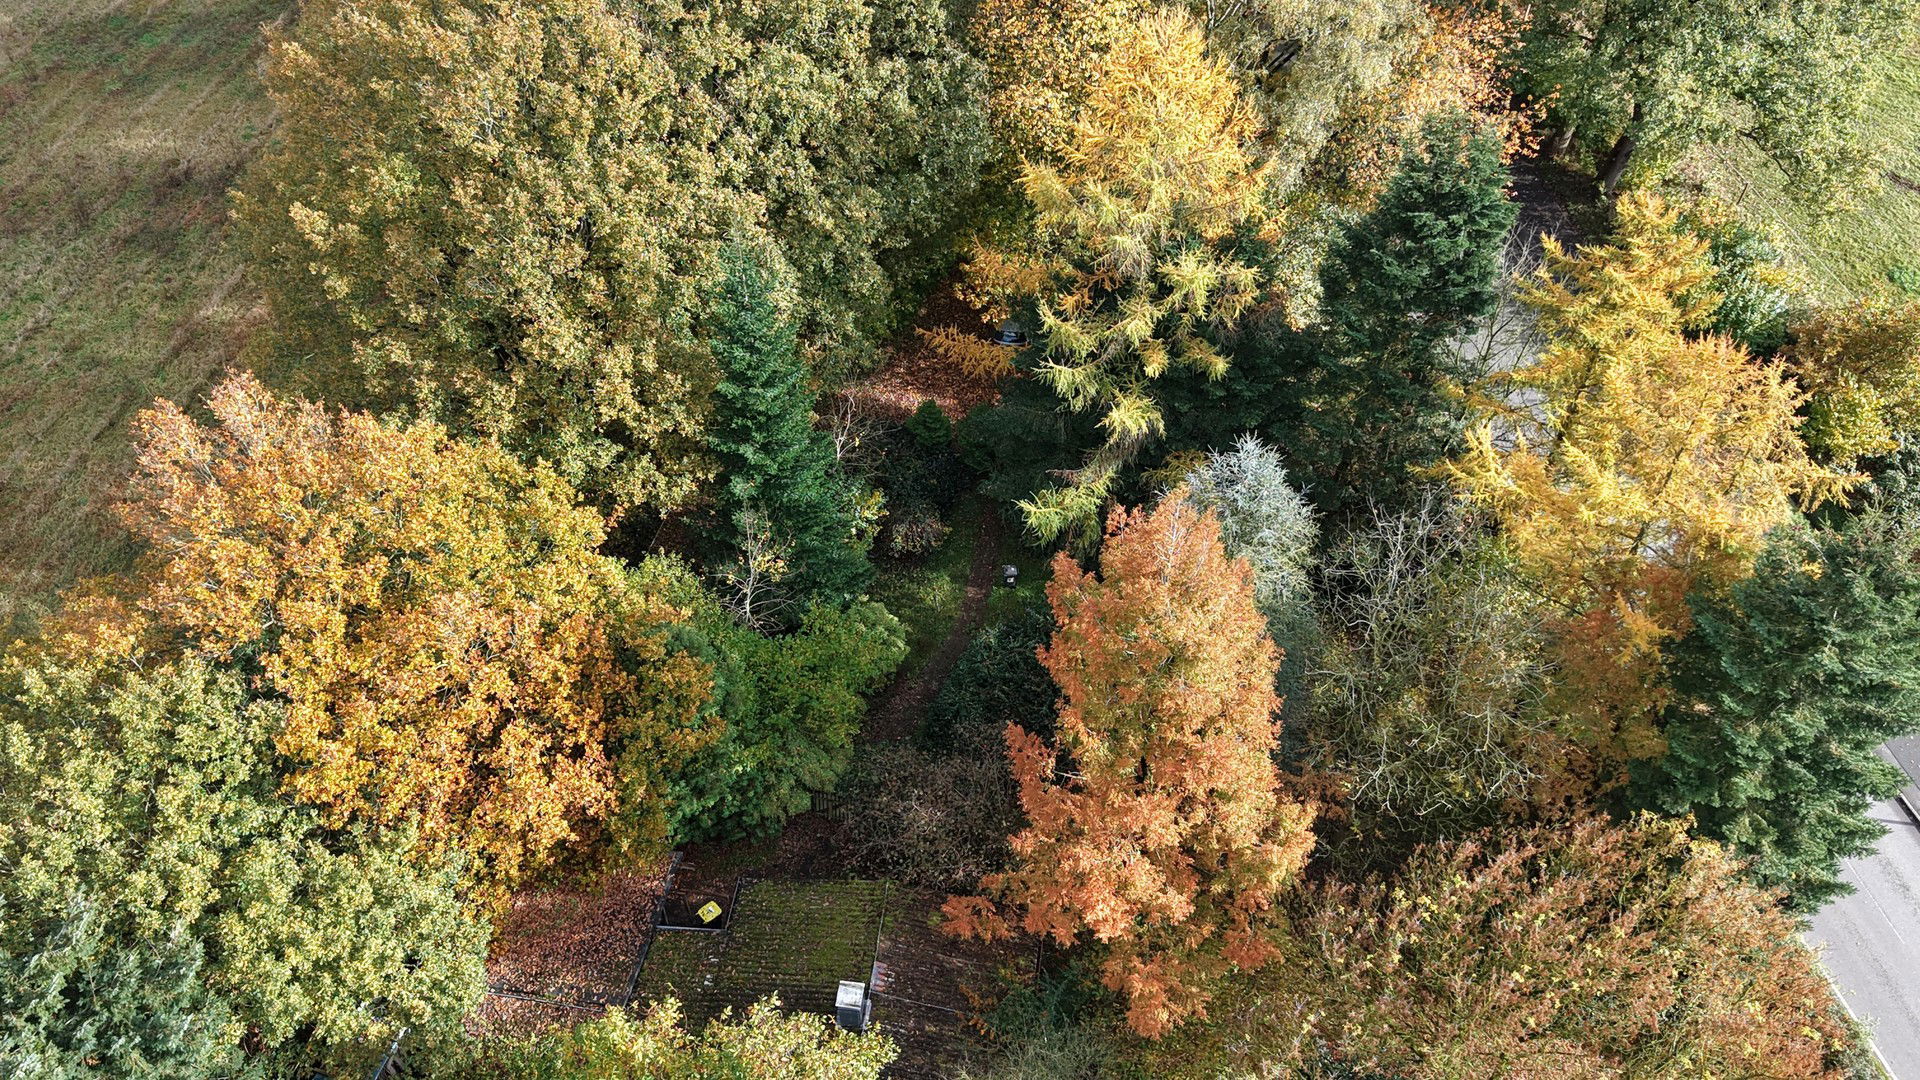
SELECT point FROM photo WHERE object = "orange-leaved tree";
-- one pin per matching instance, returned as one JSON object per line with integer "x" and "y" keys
{"x": 1634, "y": 460}
{"x": 1157, "y": 825}
{"x": 448, "y": 644}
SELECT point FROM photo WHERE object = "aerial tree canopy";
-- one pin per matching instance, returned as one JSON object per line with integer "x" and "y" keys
{"x": 1784, "y": 691}
{"x": 146, "y": 837}
{"x": 503, "y": 215}
{"x": 1138, "y": 246}
{"x": 1647, "y": 78}
{"x": 449, "y": 646}
{"x": 1634, "y": 460}
{"x": 1157, "y": 825}
{"x": 781, "y": 498}
{"x": 1572, "y": 950}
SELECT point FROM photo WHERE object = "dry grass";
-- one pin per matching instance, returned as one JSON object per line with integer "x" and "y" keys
{"x": 122, "y": 124}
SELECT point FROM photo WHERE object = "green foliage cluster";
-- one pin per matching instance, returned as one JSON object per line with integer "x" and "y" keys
{"x": 1639, "y": 82}
{"x": 1363, "y": 400}
{"x": 789, "y": 705}
{"x": 505, "y": 215}
{"x": 162, "y": 898}
{"x": 1784, "y": 691}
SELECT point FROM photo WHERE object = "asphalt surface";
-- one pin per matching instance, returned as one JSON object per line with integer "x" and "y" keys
{"x": 1870, "y": 940}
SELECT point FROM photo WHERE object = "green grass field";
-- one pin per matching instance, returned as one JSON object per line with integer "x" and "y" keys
{"x": 122, "y": 124}
{"x": 1847, "y": 253}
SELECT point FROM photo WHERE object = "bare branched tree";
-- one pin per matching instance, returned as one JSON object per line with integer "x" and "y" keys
{"x": 1425, "y": 693}
{"x": 751, "y": 584}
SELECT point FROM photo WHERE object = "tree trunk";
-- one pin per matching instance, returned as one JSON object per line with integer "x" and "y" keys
{"x": 1561, "y": 144}
{"x": 1621, "y": 155}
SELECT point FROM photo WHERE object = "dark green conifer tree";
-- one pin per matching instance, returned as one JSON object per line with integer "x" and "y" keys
{"x": 1783, "y": 692}
{"x": 1369, "y": 399}
{"x": 781, "y": 493}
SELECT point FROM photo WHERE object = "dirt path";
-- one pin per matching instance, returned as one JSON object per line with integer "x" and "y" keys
{"x": 897, "y": 714}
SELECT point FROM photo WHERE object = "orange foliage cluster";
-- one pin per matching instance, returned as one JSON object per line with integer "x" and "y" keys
{"x": 450, "y": 648}
{"x": 1157, "y": 824}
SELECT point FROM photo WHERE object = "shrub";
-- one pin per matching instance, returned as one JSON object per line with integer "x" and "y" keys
{"x": 997, "y": 681}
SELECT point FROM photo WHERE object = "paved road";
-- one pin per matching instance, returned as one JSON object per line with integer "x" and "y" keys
{"x": 1871, "y": 939}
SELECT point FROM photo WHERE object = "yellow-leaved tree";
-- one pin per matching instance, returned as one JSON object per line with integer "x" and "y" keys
{"x": 1041, "y": 57}
{"x": 1860, "y": 367}
{"x": 1634, "y": 461}
{"x": 1137, "y": 245}
{"x": 450, "y": 648}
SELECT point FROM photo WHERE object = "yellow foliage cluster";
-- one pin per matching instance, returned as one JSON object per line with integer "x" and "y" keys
{"x": 1860, "y": 366}
{"x": 1134, "y": 245}
{"x": 970, "y": 353}
{"x": 1040, "y": 59}
{"x": 450, "y": 648}
{"x": 1633, "y": 461}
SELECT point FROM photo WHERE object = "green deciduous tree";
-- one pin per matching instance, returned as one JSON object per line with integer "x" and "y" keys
{"x": 143, "y": 830}
{"x": 779, "y": 480}
{"x": 502, "y": 214}
{"x": 789, "y": 705}
{"x": 78, "y": 1003}
{"x": 473, "y": 211}
{"x": 859, "y": 125}
{"x": 1783, "y": 691}
{"x": 1646, "y": 78}
{"x": 1860, "y": 367}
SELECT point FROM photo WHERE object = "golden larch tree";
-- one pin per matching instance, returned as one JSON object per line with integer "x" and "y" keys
{"x": 1157, "y": 825}
{"x": 1634, "y": 459}
{"x": 1136, "y": 245}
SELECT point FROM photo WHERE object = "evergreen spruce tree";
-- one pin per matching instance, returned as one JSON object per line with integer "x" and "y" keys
{"x": 781, "y": 498}
{"x": 1783, "y": 691}
{"x": 1371, "y": 399}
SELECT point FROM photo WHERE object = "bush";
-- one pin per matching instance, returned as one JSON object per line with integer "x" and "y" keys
{"x": 1757, "y": 293}
{"x": 790, "y": 705}
{"x": 938, "y": 814}
{"x": 997, "y": 681}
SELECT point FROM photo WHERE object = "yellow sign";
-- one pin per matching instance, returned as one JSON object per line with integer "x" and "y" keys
{"x": 708, "y": 912}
